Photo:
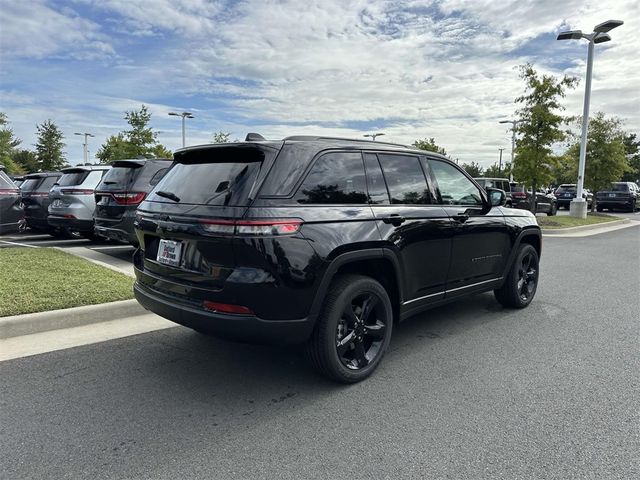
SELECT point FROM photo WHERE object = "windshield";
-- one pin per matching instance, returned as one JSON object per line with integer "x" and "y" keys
{"x": 619, "y": 187}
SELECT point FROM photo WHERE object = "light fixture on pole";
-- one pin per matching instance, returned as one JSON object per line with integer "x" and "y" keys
{"x": 183, "y": 115}
{"x": 578, "y": 206}
{"x": 85, "y": 152}
{"x": 513, "y": 143}
{"x": 373, "y": 135}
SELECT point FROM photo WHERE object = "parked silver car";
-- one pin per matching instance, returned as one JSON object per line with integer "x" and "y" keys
{"x": 72, "y": 199}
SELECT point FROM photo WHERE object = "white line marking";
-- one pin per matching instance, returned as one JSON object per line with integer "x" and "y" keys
{"x": 18, "y": 244}
{"x": 109, "y": 248}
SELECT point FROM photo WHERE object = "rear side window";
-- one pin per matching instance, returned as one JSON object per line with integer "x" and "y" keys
{"x": 335, "y": 178}
{"x": 405, "y": 179}
{"x": 70, "y": 179}
{"x": 158, "y": 176}
{"x": 376, "y": 186}
{"x": 216, "y": 183}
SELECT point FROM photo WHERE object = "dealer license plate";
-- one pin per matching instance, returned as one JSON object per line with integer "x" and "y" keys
{"x": 169, "y": 253}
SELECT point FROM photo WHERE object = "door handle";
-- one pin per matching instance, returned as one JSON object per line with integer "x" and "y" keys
{"x": 461, "y": 217}
{"x": 394, "y": 219}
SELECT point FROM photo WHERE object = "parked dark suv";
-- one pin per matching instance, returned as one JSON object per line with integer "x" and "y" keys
{"x": 121, "y": 191}
{"x": 11, "y": 213}
{"x": 621, "y": 195}
{"x": 499, "y": 183}
{"x": 324, "y": 241}
{"x": 35, "y": 197}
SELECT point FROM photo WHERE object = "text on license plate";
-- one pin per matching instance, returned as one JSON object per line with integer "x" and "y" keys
{"x": 169, "y": 252}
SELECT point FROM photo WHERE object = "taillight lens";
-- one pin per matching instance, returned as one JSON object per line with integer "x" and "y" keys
{"x": 227, "y": 308}
{"x": 133, "y": 198}
{"x": 76, "y": 191}
{"x": 9, "y": 191}
{"x": 253, "y": 227}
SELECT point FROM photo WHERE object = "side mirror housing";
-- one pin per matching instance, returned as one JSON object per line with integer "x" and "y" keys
{"x": 497, "y": 197}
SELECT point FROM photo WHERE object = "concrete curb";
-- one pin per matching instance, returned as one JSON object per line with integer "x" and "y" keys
{"x": 582, "y": 228}
{"x": 30, "y": 323}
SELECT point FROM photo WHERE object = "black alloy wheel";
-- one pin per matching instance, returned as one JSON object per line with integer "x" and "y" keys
{"x": 521, "y": 283}
{"x": 353, "y": 331}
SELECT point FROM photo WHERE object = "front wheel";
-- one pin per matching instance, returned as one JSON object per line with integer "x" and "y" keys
{"x": 353, "y": 330}
{"x": 553, "y": 209}
{"x": 521, "y": 283}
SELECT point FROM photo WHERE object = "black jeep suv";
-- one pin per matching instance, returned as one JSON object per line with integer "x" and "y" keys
{"x": 325, "y": 241}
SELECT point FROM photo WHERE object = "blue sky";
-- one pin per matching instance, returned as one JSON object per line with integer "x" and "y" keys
{"x": 410, "y": 69}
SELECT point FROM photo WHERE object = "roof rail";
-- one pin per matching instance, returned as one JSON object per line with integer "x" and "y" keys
{"x": 315, "y": 138}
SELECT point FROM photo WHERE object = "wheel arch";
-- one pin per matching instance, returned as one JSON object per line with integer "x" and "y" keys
{"x": 531, "y": 236}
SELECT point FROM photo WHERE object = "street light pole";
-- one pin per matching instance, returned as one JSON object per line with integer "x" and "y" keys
{"x": 373, "y": 136}
{"x": 85, "y": 151}
{"x": 578, "y": 206}
{"x": 500, "y": 165}
{"x": 184, "y": 115}
{"x": 513, "y": 144}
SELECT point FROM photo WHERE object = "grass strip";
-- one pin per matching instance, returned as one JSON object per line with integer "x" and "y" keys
{"x": 42, "y": 279}
{"x": 558, "y": 221}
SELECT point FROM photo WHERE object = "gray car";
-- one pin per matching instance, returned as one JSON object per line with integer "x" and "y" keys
{"x": 72, "y": 199}
{"x": 35, "y": 197}
{"x": 11, "y": 213}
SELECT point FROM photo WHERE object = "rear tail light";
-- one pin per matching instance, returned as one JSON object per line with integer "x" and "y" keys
{"x": 68, "y": 215}
{"x": 9, "y": 191}
{"x": 519, "y": 195}
{"x": 253, "y": 227}
{"x": 76, "y": 191}
{"x": 227, "y": 308}
{"x": 129, "y": 198}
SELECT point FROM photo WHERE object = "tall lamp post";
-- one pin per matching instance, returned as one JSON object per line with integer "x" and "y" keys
{"x": 513, "y": 144}
{"x": 578, "y": 207}
{"x": 373, "y": 135}
{"x": 500, "y": 164}
{"x": 85, "y": 151}
{"x": 183, "y": 115}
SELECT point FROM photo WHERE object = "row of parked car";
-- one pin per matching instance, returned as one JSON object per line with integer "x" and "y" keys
{"x": 620, "y": 196}
{"x": 86, "y": 200}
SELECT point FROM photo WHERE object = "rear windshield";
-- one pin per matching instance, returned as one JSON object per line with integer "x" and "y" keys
{"x": 42, "y": 184}
{"x": 619, "y": 187}
{"x": 69, "y": 179}
{"x": 5, "y": 182}
{"x": 120, "y": 177}
{"x": 517, "y": 188}
{"x": 219, "y": 183}
{"x": 566, "y": 190}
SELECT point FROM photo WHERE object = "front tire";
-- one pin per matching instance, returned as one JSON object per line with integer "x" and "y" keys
{"x": 521, "y": 283}
{"x": 553, "y": 209}
{"x": 353, "y": 330}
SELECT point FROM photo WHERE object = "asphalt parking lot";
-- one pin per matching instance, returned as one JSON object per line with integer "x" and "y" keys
{"x": 469, "y": 390}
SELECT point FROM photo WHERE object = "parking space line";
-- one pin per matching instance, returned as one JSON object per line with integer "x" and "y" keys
{"x": 18, "y": 244}
{"x": 110, "y": 247}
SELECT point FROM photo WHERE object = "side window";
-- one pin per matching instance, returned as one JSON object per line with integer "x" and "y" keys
{"x": 454, "y": 187}
{"x": 405, "y": 179}
{"x": 335, "y": 178}
{"x": 158, "y": 176}
{"x": 375, "y": 181}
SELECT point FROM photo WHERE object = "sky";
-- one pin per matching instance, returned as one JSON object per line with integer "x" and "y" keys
{"x": 445, "y": 69}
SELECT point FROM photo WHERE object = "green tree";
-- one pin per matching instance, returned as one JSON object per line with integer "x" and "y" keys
{"x": 564, "y": 169}
{"x": 632, "y": 151}
{"x": 49, "y": 147}
{"x": 494, "y": 170}
{"x": 474, "y": 169}
{"x": 429, "y": 144}
{"x": 8, "y": 144}
{"x": 220, "y": 137}
{"x": 26, "y": 160}
{"x": 540, "y": 126}
{"x": 606, "y": 160}
{"x": 139, "y": 141}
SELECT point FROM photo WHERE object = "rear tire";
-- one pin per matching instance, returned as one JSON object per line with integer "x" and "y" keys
{"x": 353, "y": 330}
{"x": 521, "y": 283}
{"x": 553, "y": 209}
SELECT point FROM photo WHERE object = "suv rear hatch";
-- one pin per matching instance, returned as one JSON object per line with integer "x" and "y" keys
{"x": 187, "y": 225}
{"x": 71, "y": 177}
{"x": 115, "y": 193}
{"x": 35, "y": 195}
{"x": 618, "y": 192}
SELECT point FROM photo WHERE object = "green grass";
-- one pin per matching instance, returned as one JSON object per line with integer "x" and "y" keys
{"x": 41, "y": 279}
{"x": 566, "y": 222}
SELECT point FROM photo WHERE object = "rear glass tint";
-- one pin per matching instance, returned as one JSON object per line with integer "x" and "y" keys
{"x": 5, "y": 181}
{"x": 216, "y": 183}
{"x": 120, "y": 177}
{"x": 69, "y": 179}
{"x": 566, "y": 190}
{"x": 46, "y": 184}
{"x": 620, "y": 187}
{"x": 405, "y": 179}
{"x": 30, "y": 184}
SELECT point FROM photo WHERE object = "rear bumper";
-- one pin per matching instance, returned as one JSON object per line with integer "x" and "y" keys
{"x": 72, "y": 223}
{"x": 615, "y": 203}
{"x": 243, "y": 328}
{"x": 120, "y": 230}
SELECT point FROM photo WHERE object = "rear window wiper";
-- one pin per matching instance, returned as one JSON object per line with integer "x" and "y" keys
{"x": 169, "y": 195}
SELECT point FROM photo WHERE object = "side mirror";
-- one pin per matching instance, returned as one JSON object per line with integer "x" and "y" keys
{"x": 497, "y": 197}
